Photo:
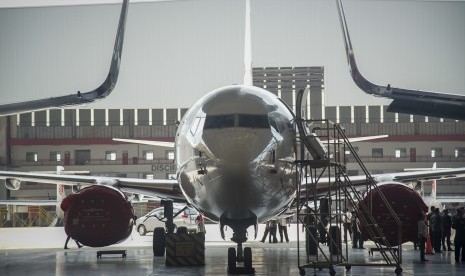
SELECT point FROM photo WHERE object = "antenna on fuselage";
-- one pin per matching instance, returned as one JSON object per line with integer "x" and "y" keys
{"x": 247, "y": 47}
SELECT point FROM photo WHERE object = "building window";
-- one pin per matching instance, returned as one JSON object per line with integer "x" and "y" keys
{"x": 347, "y": 151}
{"x": 148, "y": 155}
{"x": 55, "y": 156}
{"x": 110, "y": 155}
{"x": 377, "y": 153}
{"x": 170, "y": 155}
{"x": 148, "y": 176}
{"x": 401, "y": 153}
{"x": 31, "y": 156}
{"x": 171, "y": 176}
{"x": 436, "y": 152}
{"x": 459, "y": 152}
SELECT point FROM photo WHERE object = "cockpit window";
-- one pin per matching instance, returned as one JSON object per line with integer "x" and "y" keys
{"x": 237, "y": 120}
{"x": 195, "y": 125}
{"x": 253, "y": 121}
{"x": 277, "y": 125}
{"x": 219, "y": 121}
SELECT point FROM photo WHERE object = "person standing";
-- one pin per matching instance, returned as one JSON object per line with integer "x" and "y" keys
{"x": 346, "y": 225}
{"x": 422, "y": 235}
{"x": 273, "y": 230}
{"x": 356, "y": 234}
{"x": 282, "y": 225}
{"x": 429, "y": 223}
{"x": 200, "y": 221}
{"x": 436, "y": 228}
{"x": 267, "y": 230}
{"x": 446, "y": 230}
{"x": 458, "y": 223}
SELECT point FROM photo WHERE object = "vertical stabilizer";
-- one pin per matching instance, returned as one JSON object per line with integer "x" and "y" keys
{"x": 433, "y": 190}
{"x": 247, "y": 47}
{"x": 60, "y": 195}
{"x": 433, "y": 184}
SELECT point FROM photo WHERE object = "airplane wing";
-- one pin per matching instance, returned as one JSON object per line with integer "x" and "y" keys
{"x": 29, "y": 202}
{"x": 146, "y": 142}
{"x": 411, "y": 176}
{"x": 402, "y": 177}
{"x": 162, "y": 188}
{"x": 78, "y": 98}
{"x": 407, "y": 101}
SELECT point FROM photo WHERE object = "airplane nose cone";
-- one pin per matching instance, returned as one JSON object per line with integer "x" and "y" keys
{"x": 237, "y": 145}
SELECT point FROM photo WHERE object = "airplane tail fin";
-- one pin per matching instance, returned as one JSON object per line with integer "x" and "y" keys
{"x": 248, "y": 80}
{"x": 433, "y": 190}
{"x": 60, "y": 195}
{"x": 433, "y": 185}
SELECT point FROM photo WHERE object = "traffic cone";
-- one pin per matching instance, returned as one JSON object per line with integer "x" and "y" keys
{"x": 429, "y": 248}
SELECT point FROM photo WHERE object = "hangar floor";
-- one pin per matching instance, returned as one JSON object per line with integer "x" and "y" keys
{"x": 268, "y": 259}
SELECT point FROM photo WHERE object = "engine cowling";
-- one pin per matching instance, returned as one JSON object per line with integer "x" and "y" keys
{"x": 98, "y": 216}
{"x": 405, "y": 202}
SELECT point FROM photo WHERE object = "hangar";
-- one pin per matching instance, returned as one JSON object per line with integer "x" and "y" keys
{"x": 162, "y": 81}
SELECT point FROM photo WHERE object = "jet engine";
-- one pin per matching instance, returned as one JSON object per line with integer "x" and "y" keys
{"x": 98, "y": 216}
{"x": 405, "y": 202}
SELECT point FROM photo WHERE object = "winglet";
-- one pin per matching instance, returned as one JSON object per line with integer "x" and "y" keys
{"x": 79, "y": 98}
{"x": 407, "y": 101}
{"x": 359, "y": 80}
{"x": 248, "y": 80}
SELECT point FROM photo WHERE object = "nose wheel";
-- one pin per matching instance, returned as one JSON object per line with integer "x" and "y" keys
{"x": 238, "y": 256}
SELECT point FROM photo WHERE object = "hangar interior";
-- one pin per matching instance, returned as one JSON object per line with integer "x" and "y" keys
{"x": 81, "y": 140}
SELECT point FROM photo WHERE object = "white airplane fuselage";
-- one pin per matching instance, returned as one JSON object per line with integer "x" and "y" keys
{"x": 235, "y": 149}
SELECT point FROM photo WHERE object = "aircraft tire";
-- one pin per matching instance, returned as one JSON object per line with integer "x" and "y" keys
{"x": 159, "y": 242}
{"x": 248, "y": 257}
{"x": 182, "y": 230}
{"x": 231, "y": 259}
{"x": 142, "y": 230}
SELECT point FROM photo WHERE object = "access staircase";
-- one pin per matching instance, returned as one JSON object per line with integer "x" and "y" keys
{"x": 323, "y": 177}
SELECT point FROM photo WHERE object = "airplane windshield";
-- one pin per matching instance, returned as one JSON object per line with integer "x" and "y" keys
{"x": 253, "y": 121}
{"x": 219, "y": 121}
{"x": 236, "y": 120}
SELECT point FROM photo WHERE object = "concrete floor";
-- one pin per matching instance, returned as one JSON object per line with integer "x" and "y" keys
{"x": 268, "y": 259}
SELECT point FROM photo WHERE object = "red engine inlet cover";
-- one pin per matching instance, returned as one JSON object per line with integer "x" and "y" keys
{"x": 405, "y": 202}
{"x": 98, "y": 216}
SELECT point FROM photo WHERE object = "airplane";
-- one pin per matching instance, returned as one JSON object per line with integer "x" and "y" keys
{"x": 235, "y": 151}
{"x": 417, "y": 102}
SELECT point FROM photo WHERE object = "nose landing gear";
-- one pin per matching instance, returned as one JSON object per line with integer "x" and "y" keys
{"x": 240, "y": 255}
{"x": 245, "y": 257}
